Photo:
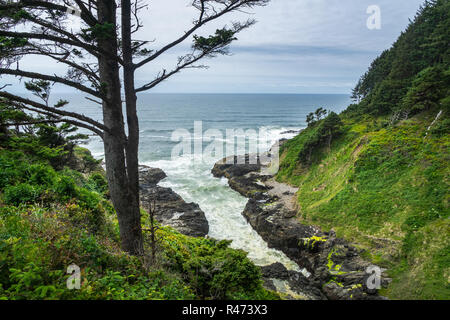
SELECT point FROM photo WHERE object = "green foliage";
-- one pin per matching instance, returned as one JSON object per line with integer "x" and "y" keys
{"x": 15, "y": 14}
{"x": 305, "y": 149}
{"x": 40, "y": 88}
{"x": 408, "y": 76}
{"x": 8, "y": 115}
{"x": 385, "y": 188}
{"x": 9, "y": 44}
{"x": 220, "y": 39}
{"x": 429, "y": 87}
{"x": 214, "y": 270}
{"x": 311, "y": 242}
{"x": 38, "y": 243}
{"x": 383, "y": 183}
{"x": 313, "y": 117}
{"x": 33, "y": 266}
{"x": 97, "y": 182}
{"x": 441, "y": 128}
{"x": 52, "y": 218}
{"x": 21, "y": 193}
{"x": 102, "y": 31}
{"x": 84, "y": 161}
{"x": 65, "y": 187}
{"x": 49, "y": 141}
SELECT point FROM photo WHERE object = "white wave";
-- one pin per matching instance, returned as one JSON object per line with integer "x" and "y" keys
{"x": 190, "y": 176}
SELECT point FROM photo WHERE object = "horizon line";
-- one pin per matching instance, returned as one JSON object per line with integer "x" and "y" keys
{"x": 246, "y": 93}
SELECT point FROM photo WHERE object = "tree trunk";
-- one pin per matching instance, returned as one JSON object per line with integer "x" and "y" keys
{"x": 122, "y": 190}
{"x": 130, "y": 102}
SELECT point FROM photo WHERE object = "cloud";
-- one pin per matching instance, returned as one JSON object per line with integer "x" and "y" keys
{"x": 297, "y": 46}
{"x": 303, "y": 46}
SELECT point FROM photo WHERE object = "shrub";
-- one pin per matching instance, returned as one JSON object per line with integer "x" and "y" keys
{"x": 97, "y": 182}
{"x": 442, "y": 128}
{"x": 65, "y": 187}
{"x": 22, "y": 193}
{"x": 213, "y": 270}
{"x": 41, "y": 174}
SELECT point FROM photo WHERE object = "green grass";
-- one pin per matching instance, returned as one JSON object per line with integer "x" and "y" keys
{"x": 386, "y": 189}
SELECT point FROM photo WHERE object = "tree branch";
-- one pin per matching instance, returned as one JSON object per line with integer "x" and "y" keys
{"x": 231, "y": 6}
{"x": 73, "y": 122}
{"x": 40, "y": 36}
{"x": 208, "y": 47}
{"x": 57, "y": 79}
{"x": 94, "y": 50}
{"x": 52, "y": 110}
{"x": 165, "y": 76}
{"x": 87, "y": 13}
{"x": 86, "y": 16}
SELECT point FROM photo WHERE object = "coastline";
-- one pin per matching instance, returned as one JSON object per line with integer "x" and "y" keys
{"x": 331, "y": 267}
{"x": 337, "y": 269}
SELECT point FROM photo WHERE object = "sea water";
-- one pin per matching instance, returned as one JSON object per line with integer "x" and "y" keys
{"x": 160, "y": 115}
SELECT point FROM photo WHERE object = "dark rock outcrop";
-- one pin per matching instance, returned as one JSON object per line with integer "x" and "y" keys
{"x": 171, "y": 209}
{"x": 291, "y": 132}
{"x": 338, "y": 271}
{"x": 236, "y": 166}
{"x": 296, "y": 281}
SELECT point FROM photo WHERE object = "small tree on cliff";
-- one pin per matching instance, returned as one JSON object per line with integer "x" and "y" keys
{"x": 94, "y": 55}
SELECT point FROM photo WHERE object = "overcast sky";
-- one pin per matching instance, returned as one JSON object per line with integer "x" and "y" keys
{"x": 297, "y": 46}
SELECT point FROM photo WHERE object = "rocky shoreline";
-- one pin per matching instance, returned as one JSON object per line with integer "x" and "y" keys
{"x": 171, "y": 209}
{"x": 335, "y": 268}
{"x": 189, "y": 219}
{"x": 338, "y": 272}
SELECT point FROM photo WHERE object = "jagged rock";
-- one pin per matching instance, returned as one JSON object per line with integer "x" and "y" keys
{"x": 236, "y": 166}
{"x": 298, "y": 283}
{"x": 171, "y": 209}
{"x": 268, "y": 284}
{"x": 272, "y": 215}
{"x": 279, "y": 232}
{"x": 276, "y": 270}
{"x": 335, "y": 292}
{"x": 150, "y": 176}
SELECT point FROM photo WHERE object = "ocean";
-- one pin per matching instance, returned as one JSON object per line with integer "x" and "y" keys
{"x": 167, "y": 116}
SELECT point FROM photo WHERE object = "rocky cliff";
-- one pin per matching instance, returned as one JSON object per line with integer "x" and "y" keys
{"x": 337, "y": 269}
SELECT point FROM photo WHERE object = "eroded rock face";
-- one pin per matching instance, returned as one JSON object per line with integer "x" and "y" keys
{"x": 236, "y": 166}
{"x": 298, "y": 283}
{"x": 149, "y": 177}
{"x": 336, "y": 267}
{"x": 171, "y": 209}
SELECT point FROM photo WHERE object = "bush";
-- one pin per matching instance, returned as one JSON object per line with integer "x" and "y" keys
{"x": 22, "y": 193}
{"x": 41, "y": 175}
{"x": 442, "y": 128}
{"x": 213, "y": 270}
{"x": 319, "y": 135}
{"x": 65, "y": 187}
{"x": 97, "y": 182}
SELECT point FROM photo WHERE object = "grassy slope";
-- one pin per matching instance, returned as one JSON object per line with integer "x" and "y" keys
{"x": 386, "y": 189}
